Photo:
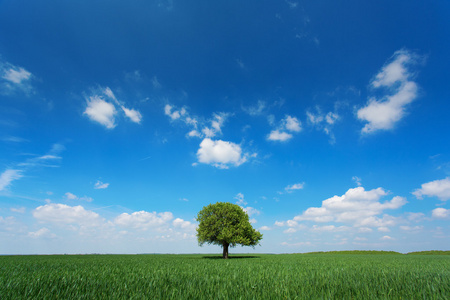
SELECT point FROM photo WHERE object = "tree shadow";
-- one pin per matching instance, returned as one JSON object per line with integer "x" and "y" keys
{"x": 231, "y": 257}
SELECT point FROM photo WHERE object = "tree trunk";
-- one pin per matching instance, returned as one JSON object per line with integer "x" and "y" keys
{"x": 225, "y": 250}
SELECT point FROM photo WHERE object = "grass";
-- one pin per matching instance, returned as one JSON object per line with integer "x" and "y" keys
{"x": 289, "y": 276}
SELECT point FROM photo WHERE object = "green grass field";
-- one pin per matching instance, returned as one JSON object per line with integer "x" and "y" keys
{"x": 289, "y": 276}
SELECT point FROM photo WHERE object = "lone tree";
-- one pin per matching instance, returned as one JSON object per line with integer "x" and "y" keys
{"x": 226, "y": 224}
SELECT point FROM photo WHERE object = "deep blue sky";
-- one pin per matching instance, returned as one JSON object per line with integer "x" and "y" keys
{"x": 120, "y": 120}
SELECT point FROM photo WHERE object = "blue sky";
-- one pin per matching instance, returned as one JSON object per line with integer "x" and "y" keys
{"x": 327, "y": 121}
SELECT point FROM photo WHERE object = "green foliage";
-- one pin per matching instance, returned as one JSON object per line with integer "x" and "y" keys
{"x": 359, "y": 252}
{"x": 226, "y": 223}
{"x": 432, "y": 252}
{"x": 291, "y": 276}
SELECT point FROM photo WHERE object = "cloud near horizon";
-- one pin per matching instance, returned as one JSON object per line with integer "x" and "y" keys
{"x": 357, "y": 207}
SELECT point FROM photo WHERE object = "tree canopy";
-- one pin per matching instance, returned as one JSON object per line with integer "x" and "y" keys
{"x": 226, "y": 224}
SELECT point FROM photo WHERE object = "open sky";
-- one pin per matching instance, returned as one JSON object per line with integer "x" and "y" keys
{"x": 327, "y": 121}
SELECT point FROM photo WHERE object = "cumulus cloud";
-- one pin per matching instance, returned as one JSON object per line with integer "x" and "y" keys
{"x": 440, "y": 213}
{"x": 357, "y": 206}
{"x": 8, "y": 176}
{"x": 436, "y": 188}
{"x": 276, "y": 135}
{"x": 265, "y": 228}
{"x": 65, "y": 214}
{"x": 143, "y": 219}
{"x": 284, "y": 131}
{"x": 100, "y": 111}
{"x": 220, "y": 154}
{"x": 180, "y": 223}
{"x": 395, "y": 77}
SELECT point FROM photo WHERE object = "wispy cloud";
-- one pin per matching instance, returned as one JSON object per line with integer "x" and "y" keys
{"x": 197, "y": 127}
{"x": 70, "y": 196}
{"x": 294, "y": 187}
{"x": 323, "y": 121}
{"x": 18, "y": 171}
{"x": 240, "y": 199}
{"x": 13, "y": 78}
{"x": 396, "y": 78}
{"x": 8, "y": 176}
{"x": 100, "y": 185}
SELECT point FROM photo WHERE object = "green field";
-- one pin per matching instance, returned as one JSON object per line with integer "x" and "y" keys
{"x": 262, "y": 276}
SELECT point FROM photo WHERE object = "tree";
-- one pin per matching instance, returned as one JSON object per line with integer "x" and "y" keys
{"x": 226, "y": 224}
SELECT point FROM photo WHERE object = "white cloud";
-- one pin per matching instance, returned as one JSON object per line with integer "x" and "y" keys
{"x": 16, "y": 75}
{"x": 409, "y": 228}
{"x": 9, "y": 176}
{"x": 108, "y": 92}
{"x": 357, "y": 180}
{"x": 323, "y": 122}
{"x": 387, "y": 238}
{"x": 13, "y": 78}
{"x": 329, "y": 228}
{"x": 292, "y": 124}
{"x": 64, "y": 214}
{"x": 101, "y": 111}
{"x": 220, "y": 153}
{"x": 71, "y": 196}
{"x": 279, "y": 224}
{"x": 357, "y": 207}
{"x": 100, "y": 185}
{"x": 436, "y": 188}
{"x": 297, "y": 186}
{"x": 384, "y": 229}
{"x": 265, "y": 228}
{"x": 143, "y": 219}
{"x": 132, "y": 114}
{"x": 43, "y": 232}
{"x": 180, "y": 223}
{"x": 19, "y": 210}
{"x": 250, "y": 211}
{"x": 104, "y": 112}
{"x": 276, "y": 135}
{"x": 281, "y": 134}
{"x": 384, "y": 113}
{"x": 173, "y": 115}
{"x": 256, "y": 110}
{"x": 155, "y": 82}
{"x": 240, "y": 199}
{"x": 440, "y": 213}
